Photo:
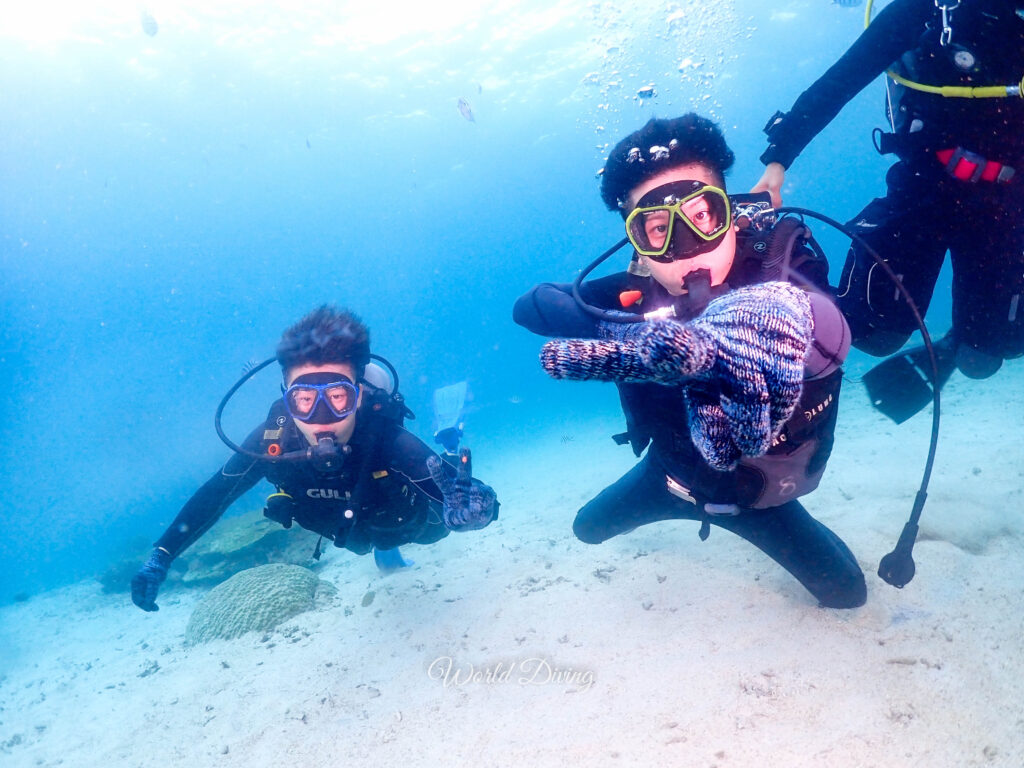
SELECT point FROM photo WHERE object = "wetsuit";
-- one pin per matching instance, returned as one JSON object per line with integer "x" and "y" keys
{"x": 757, "y": 500}
{"x": 384, "y": 480}
{"x": 931, "y": 204}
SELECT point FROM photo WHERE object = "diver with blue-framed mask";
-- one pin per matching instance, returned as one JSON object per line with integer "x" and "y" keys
{"x": 335, "y": 449}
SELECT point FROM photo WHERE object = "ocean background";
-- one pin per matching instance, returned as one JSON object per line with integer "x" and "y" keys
{"x": 183, "y": 181}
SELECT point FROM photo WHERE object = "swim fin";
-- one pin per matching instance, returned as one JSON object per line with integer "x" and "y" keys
{"x": 448, "y": 404}
{"x": 901, "y": 386}
{"x": 390, "y": 560}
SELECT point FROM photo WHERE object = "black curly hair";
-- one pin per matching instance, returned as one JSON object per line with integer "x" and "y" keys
{"x": 326, "y": 335}
{"x": 659, "y": 145}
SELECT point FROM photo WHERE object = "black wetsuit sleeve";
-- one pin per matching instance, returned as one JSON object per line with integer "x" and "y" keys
{"x": 895, "y": 31}
{"x": 549, "y": 309}
{"x": 207, "y": 504}
{"x": 408, "y": 456}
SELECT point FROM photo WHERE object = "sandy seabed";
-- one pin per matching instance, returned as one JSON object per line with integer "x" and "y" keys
{"x": 519, "y": 646}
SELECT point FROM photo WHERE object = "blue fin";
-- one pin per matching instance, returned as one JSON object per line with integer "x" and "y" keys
{"x": 389, "y": 560}
{"x": 448, "y": 404}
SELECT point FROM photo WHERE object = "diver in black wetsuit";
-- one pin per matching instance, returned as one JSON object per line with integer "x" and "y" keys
{"x": 737, "y": 395}
{"x": 957, "y": 185}
{"x": 341, "y": 462}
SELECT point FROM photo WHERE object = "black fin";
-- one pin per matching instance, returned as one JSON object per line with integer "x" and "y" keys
{"x": 901, "y": 386}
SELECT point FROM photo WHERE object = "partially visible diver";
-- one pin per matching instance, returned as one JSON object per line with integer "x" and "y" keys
{"x": 341, "y": 462}
{"x": 957, "y": 128}
{"x": 726, "y": 349}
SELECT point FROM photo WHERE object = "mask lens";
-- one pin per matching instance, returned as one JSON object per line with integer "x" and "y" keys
{"x": 651, "y": 229}
{"x": 705, "y": 213}
{"x": 340, "y": 398}
{"x": 301, "y": 400}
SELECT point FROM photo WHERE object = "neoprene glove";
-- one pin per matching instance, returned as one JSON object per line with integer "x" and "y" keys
{"x": 742, "y": 361}
{"x": 468, "y": 503}
{"x": 146, "y": 583}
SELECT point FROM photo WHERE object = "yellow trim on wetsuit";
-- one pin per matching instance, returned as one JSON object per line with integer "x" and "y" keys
{"x": 953, "y": 91}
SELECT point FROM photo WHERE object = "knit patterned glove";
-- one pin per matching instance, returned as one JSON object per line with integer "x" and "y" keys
{"x": 146, "y": 583}
{"x": 746, "y": 349}
{"x": 468, "y": 503}
{"x": 586, "y": 359}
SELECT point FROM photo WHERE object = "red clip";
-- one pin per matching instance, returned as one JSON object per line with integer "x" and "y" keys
{"x": 629, "y": 298}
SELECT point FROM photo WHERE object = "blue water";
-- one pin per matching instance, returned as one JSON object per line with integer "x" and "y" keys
{"x": 171, "y": 202}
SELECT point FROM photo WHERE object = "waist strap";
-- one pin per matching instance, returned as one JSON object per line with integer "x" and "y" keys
{"x": 969, "y": 166}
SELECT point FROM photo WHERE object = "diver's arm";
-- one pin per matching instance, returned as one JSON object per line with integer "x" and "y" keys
{"x": 549, "y": 309}
{"x": 831, "y": 341}
{"x": 207, "y": 504}
{"x": 771, "y": 181}
{"x": 750, "y": 345}
{"x": 408, "y": 456}
{"x": 466, "y": 503}
{"x": 895, "y": 30}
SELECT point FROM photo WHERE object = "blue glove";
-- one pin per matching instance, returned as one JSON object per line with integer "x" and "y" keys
{"x": 468, "y": 503}
{"x": 146, "y": 583}
{"x": 742, "y": 361}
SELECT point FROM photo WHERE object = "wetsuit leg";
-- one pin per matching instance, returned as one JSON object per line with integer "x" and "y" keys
{"x": 637, "y": 498}
{"x": 988, "y": 277}
{"x": 808, "y": 549}
{"x": 905, "y": 228}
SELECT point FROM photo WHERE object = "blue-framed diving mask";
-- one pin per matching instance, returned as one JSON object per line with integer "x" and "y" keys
{"x": 321, "y": 398}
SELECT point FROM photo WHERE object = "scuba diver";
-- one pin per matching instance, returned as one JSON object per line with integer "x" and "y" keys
{"x": 726, "y": 349}
{"x": 341, "y": 462}
{"x": 956, "y": 117}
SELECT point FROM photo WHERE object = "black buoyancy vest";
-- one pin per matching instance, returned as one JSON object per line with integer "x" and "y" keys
{"x": 986, "y": 49}
{"x": 362, "y": 500}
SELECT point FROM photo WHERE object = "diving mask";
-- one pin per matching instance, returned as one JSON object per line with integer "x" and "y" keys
{"x": 321, "y": 398}
{"x": 679, "y": 220}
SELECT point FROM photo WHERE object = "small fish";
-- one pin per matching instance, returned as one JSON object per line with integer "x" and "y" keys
{"x": 308, "y": 145}
{"x": 466, "y": 111}
{"x": 149, "y": 25}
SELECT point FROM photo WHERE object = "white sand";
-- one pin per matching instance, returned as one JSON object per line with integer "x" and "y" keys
{"x": 677, "y": 652}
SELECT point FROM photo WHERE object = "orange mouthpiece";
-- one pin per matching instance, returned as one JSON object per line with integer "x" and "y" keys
{"x": 629, "y": 298}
